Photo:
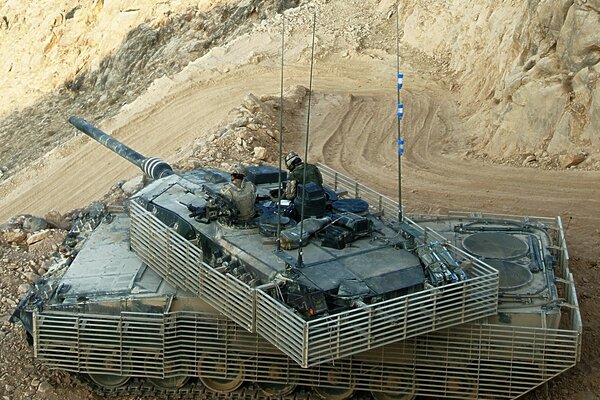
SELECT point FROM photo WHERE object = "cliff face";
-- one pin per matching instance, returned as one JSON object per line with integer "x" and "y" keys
{"x": 549, "y": 93}
{"x": 527, "y": 73}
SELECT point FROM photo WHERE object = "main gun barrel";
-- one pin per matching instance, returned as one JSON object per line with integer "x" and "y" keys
{"x": 151, "y": 166}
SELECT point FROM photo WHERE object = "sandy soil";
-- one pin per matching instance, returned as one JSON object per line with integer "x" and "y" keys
{"x": 352, "y": 129}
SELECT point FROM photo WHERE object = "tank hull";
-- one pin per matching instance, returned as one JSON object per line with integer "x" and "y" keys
{"x": 192, "y": 343}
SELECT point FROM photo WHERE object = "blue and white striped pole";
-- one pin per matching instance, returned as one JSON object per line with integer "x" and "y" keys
{"x": 399, "y": 113}
{"x": 400, "y": 142}
{"x": 400, "y": 79}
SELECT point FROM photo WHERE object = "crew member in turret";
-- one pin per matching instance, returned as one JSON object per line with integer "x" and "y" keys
{"x": 241, "y": 192}
{"x": 296, "y": 176}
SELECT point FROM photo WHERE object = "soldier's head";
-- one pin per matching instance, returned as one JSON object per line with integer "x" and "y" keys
{"x": 292, "y": 159}
{"x": 238, "y": 172}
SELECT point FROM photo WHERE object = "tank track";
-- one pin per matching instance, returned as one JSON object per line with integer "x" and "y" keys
{"x": 194, "y": 390}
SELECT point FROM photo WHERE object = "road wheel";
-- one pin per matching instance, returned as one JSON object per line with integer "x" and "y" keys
{"x": 335, "y": 378}
{"x": 274, "y": 389}
{"x": 230, "y": 373}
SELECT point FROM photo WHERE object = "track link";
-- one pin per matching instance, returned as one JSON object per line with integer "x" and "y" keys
{"x": 194, "y": 390}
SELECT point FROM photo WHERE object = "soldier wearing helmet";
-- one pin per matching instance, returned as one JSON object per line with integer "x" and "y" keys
{"x": 241, "y": 193}
{"x": 296, "y": 175}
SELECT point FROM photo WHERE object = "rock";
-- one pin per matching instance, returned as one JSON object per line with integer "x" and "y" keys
{"x": 49, "y": 244}
{"x": 23, "y": 288}
{"x": 44, "y": 387}
{"x": 570, "y": 160}
{"x": 57, "y": 220}
{"x": 31, "y": 277}
{"x": 133, "y": 185}
{"x": 39, "y": 236}
{"x": 9, "y": 226}
{"x": 272, "y": 134}
{"x": 577, "y": 36}
{"x": 530, "y": 158}
{"x": 190, "y": 163}
{"x": 260, "y": 153}
{"x": 16, "y": 237}
{"x": 251, "y": 102}
{"x": 34, "y": 224}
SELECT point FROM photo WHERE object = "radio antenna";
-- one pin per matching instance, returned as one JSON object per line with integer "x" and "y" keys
{"x": 280, "y": 183}
{"x": 312, "y": 61}
{"x": 400, "y": 114}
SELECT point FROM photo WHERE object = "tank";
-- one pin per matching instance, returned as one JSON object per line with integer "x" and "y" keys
{"x": 332, "y": 295}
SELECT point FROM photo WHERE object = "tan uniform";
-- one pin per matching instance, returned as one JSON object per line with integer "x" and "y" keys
{"x": 243, "y": 197}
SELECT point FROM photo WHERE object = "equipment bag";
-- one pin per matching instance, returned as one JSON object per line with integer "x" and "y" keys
{"x": 359, "y": 225}
{"x": 335, "y": 237}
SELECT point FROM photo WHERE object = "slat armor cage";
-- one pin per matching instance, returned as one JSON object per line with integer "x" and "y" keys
{"x": 473, "y": 360}
{"x": 322, "y": 339}
{"x": 470, "y": 361}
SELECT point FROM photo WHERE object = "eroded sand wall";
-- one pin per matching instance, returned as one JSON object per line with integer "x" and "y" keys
{"x": 528, "y": 71}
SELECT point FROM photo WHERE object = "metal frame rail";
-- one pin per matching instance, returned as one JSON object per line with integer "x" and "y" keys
{"x": 322, "y": 339}
{"x": 379, "y": 204}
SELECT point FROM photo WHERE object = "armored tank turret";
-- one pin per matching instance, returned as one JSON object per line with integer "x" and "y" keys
{"x": 327, "y": 295}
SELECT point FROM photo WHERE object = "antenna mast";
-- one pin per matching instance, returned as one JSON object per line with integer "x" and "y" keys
{"x": 400, "y": 114}
{"x": 280, "y": 185}
{"x": 312, "y": 60}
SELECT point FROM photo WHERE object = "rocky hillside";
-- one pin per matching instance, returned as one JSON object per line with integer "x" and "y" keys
{"x": 527, "y": 73}
{"x": 92, "y": 59}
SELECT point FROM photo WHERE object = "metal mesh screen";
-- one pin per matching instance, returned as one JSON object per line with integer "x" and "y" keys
{"x": 180, "y": 263}
{"x": 319, "y": 340}
{"x": 469, "y": 361}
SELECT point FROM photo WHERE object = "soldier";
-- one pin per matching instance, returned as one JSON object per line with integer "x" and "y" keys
{"x": 241, "y": 193}
{"x": 296, "y": 176}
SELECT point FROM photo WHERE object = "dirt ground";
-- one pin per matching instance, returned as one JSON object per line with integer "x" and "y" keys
{"x": 352, "y": 129}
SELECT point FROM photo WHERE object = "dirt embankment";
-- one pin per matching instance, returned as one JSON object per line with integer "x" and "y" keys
{"x": 500, "y": 98}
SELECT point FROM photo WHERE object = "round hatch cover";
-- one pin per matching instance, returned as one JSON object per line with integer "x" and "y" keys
{"x": 495, "y": 245}
{"x": 511, "y": 275}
